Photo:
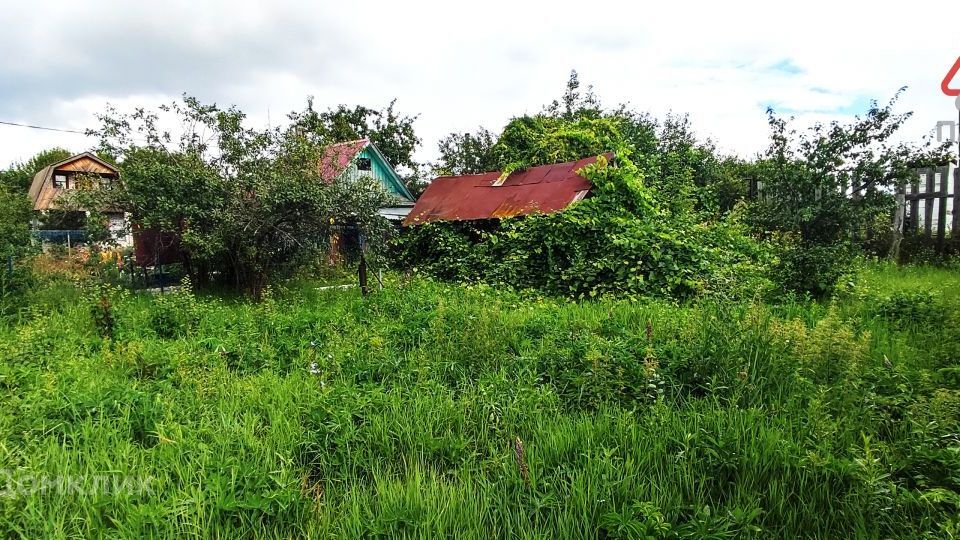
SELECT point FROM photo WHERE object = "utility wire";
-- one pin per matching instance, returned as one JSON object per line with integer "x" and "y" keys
{"x": 140, "y": 139}
{"x": 42, "y": 127}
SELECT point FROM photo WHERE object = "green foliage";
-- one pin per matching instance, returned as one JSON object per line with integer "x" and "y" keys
{"x": 15, "y": 237}
{"x": 619, "y": 241}
{"x": 541, "y": 140}
{"x": 811, "y": 267}
{"x": 175, "y": 314}
{"x": 19, "y": 176}
{"x": 467, "y": 153}
{"x": 248, "y": 206}
{"x": 912, "y": 308}
{"x": 392, "y": 132}
{"x": 806, "y": 184}
{"x": 15, "y": 246}
{"x": 323, "y": 413}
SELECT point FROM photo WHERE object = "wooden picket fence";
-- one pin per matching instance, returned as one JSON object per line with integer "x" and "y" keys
{"x": 928, "y": 205}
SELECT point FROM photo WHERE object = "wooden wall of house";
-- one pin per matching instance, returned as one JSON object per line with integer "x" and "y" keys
{"x": 381, "y": 172}
{"x": 85, "y": 165}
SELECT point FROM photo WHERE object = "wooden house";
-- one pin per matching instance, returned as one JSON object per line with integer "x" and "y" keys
{"x": 363, "y": 158}
{"x": 82, "y": 171}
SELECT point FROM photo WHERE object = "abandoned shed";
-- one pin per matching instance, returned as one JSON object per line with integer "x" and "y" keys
{"x": 543, "y": 189}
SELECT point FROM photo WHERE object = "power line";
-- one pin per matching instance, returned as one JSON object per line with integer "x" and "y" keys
{"x": 43, "y": 128}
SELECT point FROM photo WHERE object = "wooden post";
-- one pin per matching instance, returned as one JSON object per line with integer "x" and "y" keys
{"x": 362, "y": 275}
{"x": 942, "y": 209}
{"x": 362, "y": 270}
{"x": 928, "y": 196}
{"x": 915, "y": 203}
{"x": 955, "y": 229}
{"x": 898, "y": 212}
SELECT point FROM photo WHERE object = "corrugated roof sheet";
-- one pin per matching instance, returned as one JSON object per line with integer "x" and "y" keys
{"x": 337, "y": 157}
{"x": 544, "y": 189}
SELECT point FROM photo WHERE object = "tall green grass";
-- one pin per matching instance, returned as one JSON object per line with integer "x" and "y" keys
{"x": 324, "y": 414}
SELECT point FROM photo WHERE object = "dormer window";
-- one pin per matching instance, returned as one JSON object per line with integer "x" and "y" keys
{"x": 363, "y": 164}
{"x": 59, "y": 181}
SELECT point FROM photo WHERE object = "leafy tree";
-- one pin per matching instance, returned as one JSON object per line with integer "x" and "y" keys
{"x": 573, "y": 104}
{"x": 823, "y": 188}
{"x": 393, "y": 133}
{"x": 14, "y": 223}
{"x": 19, "y": 176}
{"x": 539, "y": 140}
{"x": 247, "y": 203}
{"x": 467, "y": 153}
{"x": 15, "y": 244}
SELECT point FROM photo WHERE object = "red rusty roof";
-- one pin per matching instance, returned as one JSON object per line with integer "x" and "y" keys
{"x": 337, "y": 157}
{"x": 544, "y": 189}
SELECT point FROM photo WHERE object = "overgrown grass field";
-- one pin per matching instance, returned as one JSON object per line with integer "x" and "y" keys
{"x": 430, "y": 410}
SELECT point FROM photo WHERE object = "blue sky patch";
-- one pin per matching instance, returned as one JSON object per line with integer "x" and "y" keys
{"x": 855, "y": 106}
{"x": 785, "y": 66}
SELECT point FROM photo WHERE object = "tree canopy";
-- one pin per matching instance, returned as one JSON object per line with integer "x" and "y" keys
{"x": 20, "y": 175}
{"x": 248, "y": 204}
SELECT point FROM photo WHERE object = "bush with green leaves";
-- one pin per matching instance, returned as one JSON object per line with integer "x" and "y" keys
{"x": 827, "y": 189}
{"x": 620, "y": 241}
{"x": 913, "y": 307}
{"x": 15, "y": 245}
{"x": 247, "y": 206}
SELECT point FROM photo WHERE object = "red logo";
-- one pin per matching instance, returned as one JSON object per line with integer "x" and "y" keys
{"x": 945, "y": 85}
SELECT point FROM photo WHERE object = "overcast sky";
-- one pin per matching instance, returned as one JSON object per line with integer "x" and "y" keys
{"x": 463, "y": 65}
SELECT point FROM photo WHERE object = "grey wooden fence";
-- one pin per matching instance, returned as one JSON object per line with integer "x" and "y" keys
{"x": 928, "y": 205}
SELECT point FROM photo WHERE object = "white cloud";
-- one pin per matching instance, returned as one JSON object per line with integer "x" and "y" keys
{"x": 461, "y": 66}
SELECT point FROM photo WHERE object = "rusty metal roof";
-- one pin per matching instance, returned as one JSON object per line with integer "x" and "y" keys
{"x": 544, "y": 189}
{"x": 337, "y": 157}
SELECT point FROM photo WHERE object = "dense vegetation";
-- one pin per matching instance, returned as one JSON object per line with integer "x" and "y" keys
{"x": 428, "y": 410}
{"x": 246, "y": 206}
{"x": 681, "y": 355}
{"x": 670, "y": 217}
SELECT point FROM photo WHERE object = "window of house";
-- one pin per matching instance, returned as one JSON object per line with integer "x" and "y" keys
{"x": 363, "y": 164}
{"x": 59, "y": 181}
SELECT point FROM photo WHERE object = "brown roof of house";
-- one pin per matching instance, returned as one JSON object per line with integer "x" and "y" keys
{"x": 42, "y": 192}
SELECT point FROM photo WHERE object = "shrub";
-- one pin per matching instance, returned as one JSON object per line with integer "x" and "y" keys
{"x": 619, "y": 242}
{"x": 174, "y": 314}
{"x": 805, "y": 267}
{"x": 906, "y": 308}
